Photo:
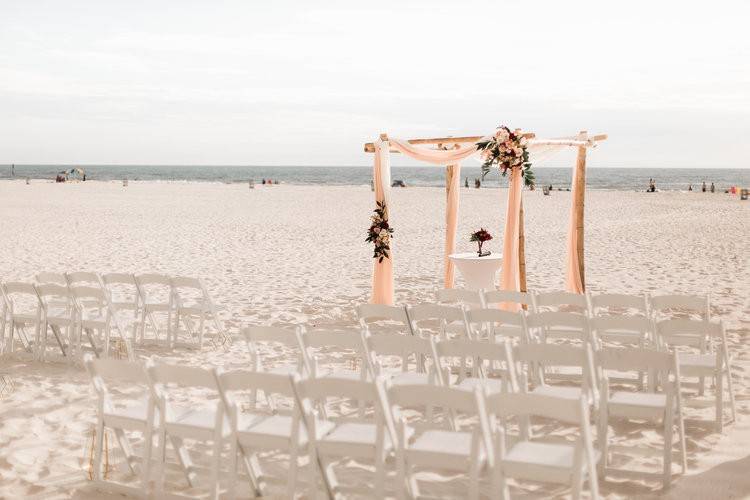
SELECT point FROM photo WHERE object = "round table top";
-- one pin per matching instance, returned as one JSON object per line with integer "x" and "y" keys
{"x": 474, "y": 256}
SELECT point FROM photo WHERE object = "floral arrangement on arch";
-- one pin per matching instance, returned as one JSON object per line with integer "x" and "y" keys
{"x": 380, "y": 232}
{"x": 508, "y": 150}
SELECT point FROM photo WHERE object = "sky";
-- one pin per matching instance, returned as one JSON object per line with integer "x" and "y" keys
{"x": 308, "y": 82}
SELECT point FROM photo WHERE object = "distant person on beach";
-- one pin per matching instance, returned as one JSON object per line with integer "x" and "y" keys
{"x": 690, "y": 187}
{"x": 263, "y": 181}
{"x": 703, "y": 187}
{"x": 651, "y": 186}
{"x": 477, "y": 183}
{"x": 466, "y": 182}
{"x": 713, "y": 188}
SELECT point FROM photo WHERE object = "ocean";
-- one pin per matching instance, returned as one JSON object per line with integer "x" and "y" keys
{"x": 623, "y": 179}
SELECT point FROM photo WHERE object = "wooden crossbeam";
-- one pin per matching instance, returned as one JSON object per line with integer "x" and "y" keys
{"x": 370, "y": 147}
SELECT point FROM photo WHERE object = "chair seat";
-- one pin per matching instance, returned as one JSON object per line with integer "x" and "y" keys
{"x": 544, "y": 454}
{"x": 59, "y": 320}
{"x": 446, "y": 446}
{"x": 277, "y": 426}
{"x": 640, "y": 399}
{"x": 558, "y": 391}
{"x": 24, "y": 318}
{"x": 491, "y": 384}
{"x": 196, "y": 419}
{"x": 701, "y": 362}
{"x": 361, "y": 433}
{"x": 135, "y": 415}
{"x": 410, "y": 378}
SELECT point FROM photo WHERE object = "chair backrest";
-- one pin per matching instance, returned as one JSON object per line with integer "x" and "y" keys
{"x": 635, "y": 359}
{"x": 344, "y": 344}
{"x": 154, "y": 287}
{"x": 21, "y": 296}
{"x": 460, "y": 407}
{"x": 480, "y": 359}
{"x": 13, "y": 287}
{"x": 258, "y": 336}
{"x": 88, "y": 277}
{"x": 674, "y": 305}
{"x": 569, "y": 411}
{"x": 561, "y": 300}
{"x": 186, "y": 282}
{"x": 429, "y": 318}
{"x": 50, "y": 277}
{"x": 620, "y": 328}
{"x": 492, "y": 323}
{"x": 540, "y": 357}
{"x": 55, "y": 296}
{"x": 383, "y": 317}
{"x": 554, "y": 324}
{"x": 388, "y": 345}
{"x": 459, "y": 296}
{"x": 496, "y": 297}
{"x": 89, "y": 292}
{"x": 122, "y": 289}
{"x": 105, "y": 373}
{"x": 153, "y": 279}
{"x": 618, "y": 303}
{"x": 121, "y": 278}
{"x": 237, "y": 385}
{"x": 688, "y": 332}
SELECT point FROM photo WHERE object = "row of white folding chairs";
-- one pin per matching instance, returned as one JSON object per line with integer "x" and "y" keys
{"x": 703, "y": 343}
{"x": 467, "y": 363}
{"x": 657, "y": 307}
{"x": 69, "y": 312}
{"x": 183, "y": 300}
{"x": 467, "y": 434}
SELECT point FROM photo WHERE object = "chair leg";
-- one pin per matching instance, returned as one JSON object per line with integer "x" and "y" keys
{"x": 719, "y": 400}
{"x": 668, "y": 445}
{"x": 216, "y": 467}
{"x": 148, "y": 445}
{"x": 603, "y": 439}
{"x": 730, "y": 385}
{"x": 401, "y": 479}
{"x": 293, "y": 471}
{"x": 380, "y": 473}
{"x": 99, "y": 447}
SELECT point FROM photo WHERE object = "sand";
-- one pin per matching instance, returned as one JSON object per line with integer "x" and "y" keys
{"x": 287, "y": 254}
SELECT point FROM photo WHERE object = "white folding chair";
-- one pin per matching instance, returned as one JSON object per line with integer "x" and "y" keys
{"x": 494, "y": 298}
{"x": 675, "y": 306}
{"x": 199, "y": 420}
{"x": 96, "y": 319}
{"x": 437, "y": 319}
{"x": 620, "y": 304}
{"x": 321, "y": 347}
{"x": 124, "y": 405}
{"x": 123, "y": 297}
{"x": 542, "y": 363}
{"x": 468, "y": 363}
{"x": 553, "y": 325}
{"x": 664, "y": 406}
{"x": 460, "y": 296}
{"x": 621, "y": 329}
{"x": 257, "y": 428}
{"x": 156, "y": 297}
{"x": 531, "y": 458}
{"x": 457, "y": 438}
{"x": 356, "y": 435}
{"x": 4, "y": 311}
{"x": 271, "y": 348}
{"x": 400, "y": 358}
{"x": 495, "y": 324}
{"x": 24, "y": 312}
{"x": 193, "y": 302}
{"x": 713, "y": 362}
{"x": 379, "y": 318}
{"x": 561, "y": 301}
{"x": 58, "y": 315}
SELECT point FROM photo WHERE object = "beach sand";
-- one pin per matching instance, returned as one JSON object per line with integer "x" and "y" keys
{"x": 288, "y": 254}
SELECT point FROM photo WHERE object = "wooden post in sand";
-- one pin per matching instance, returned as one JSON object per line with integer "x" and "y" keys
{"x": 521, "y": 251}
{"x": 580, "y": 191}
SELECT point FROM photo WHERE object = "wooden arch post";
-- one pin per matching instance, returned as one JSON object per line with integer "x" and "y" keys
{"x": 580, "y": 190}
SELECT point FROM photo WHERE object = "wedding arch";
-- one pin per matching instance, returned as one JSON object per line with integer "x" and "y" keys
{"x": 450, "y": 151}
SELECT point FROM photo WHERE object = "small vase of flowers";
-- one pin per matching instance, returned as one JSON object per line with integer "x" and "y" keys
{"x": 480, "y": 237}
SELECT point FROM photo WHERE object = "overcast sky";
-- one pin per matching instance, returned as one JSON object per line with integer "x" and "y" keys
{"x": 308, "y": 82}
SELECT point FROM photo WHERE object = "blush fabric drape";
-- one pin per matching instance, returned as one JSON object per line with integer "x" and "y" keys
{"x": 452, "y": 188}
{"x": 510, "y": 279}
{"x": 382, "y": 273}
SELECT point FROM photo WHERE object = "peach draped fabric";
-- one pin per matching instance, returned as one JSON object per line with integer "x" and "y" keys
{"x": 511, "y": 279}
{"x": 382, "y": 273}
{"x": 452, "y": 188}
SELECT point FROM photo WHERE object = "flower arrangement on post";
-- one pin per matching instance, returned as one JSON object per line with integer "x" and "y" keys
{"x": 380, "y": 232}
{"x": 508, "y": 150}
{"x": 480, "y": 237}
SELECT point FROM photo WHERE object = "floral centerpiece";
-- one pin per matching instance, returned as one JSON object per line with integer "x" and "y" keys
{"x": 508, "y": 150}
{"x": 380, "y": 232}
{"x": 480, "y": 237}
